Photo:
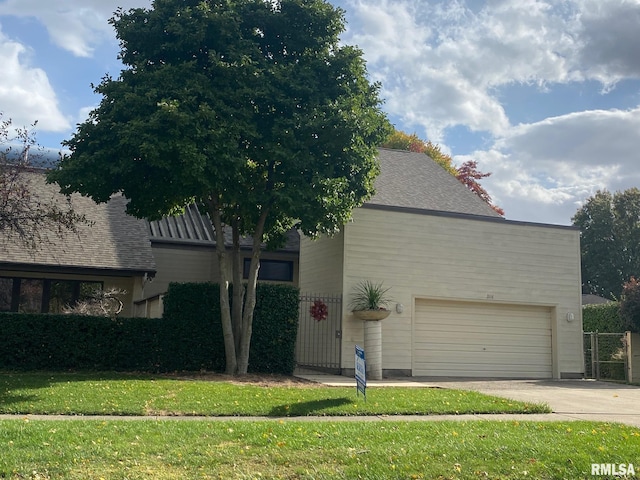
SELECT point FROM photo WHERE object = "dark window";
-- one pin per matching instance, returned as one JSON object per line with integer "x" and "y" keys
{"x": 274, "y": 270}
{"x": 38, "y": 295}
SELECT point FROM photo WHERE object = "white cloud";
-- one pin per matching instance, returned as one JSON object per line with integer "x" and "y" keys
{"x": 74, "y": 25}
{"x": 544, "y": 171}
{"x": 25, "y": 92}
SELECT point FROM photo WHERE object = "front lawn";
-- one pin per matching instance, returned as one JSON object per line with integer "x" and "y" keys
{"x": 174, "y": 449}
{"x": 123, "y": 394}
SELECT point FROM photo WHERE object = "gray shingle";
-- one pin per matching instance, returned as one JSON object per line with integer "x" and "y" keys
{"x": 115, "y": 240}
{"x": 414, "y": 180}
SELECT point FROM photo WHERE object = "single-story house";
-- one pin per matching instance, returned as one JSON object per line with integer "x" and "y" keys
{"x": 474, "y": 295}
{"x": 111, "y": 251}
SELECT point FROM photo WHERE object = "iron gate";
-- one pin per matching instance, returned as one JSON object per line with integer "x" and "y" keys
{"x": 607, "y": 355}
{"x": 319, "y": 341}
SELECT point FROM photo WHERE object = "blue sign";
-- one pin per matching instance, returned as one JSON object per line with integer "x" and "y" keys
{"x": 361, "y": 372}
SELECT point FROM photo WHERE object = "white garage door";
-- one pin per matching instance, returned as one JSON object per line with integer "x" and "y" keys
{"x": 481, "y": 340}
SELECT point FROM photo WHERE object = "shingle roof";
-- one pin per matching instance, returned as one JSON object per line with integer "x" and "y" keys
{"x": 414, "y": 180}
{"x": 114, "y": 241}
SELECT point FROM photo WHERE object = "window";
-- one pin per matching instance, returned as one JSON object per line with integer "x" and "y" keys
{"x": 274, "y": 270}
{"x": 42, "y": 295}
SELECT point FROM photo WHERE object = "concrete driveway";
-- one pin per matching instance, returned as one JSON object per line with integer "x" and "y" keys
{"x": 569, "y": 399}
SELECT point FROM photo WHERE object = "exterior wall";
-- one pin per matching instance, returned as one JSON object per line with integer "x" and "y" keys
{"x": 321, "y": 265}
{"x": 195, "y": 264}
{"x": 132, "y": 285}
{"x": 439, "y": 257}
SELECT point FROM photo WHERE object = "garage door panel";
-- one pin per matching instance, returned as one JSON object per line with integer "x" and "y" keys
{"x": 487, "y": 339}
{"x": 478, "y": 339}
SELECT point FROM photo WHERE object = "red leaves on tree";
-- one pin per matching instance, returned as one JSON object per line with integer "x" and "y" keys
{"x": 468, "y": 174}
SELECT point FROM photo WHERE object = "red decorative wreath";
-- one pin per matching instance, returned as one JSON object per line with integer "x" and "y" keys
{"x": 319, "y": 310}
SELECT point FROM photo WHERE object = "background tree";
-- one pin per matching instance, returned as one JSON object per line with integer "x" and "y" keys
{"x": 467, "y": 173}
{"x": 610, "y": 241}
{"x": 630, "y": 305}
{"x": 250, "y": 108}
{"x": 24, "y": 214}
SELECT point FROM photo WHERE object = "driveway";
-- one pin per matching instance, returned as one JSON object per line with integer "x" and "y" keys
{"x": 569, "y": 399}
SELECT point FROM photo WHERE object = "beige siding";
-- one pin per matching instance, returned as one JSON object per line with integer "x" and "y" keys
{"x": 179, "y": 264}
{"x": 423, "y": 256}
{"x": 321, "y": 262}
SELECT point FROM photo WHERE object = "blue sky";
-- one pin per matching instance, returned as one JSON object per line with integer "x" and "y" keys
{"x": 543, "y": 94}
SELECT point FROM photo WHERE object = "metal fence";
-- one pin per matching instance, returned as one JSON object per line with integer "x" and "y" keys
{"x": 319, "y": 339}
{"x": 607, "y": 355}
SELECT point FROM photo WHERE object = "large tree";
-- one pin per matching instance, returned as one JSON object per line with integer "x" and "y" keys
{"x": 25, "y": 215}
{"x": 250, "y": 108}
{"x": 467, "y": 173}
{"x": 610, "y": 241}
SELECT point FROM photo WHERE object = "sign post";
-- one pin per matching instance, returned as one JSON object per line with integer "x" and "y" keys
{"x": 361, "y": 372}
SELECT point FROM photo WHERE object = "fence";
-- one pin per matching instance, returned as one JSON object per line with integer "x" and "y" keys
{"x": 319, "y": 341}
{"x": 607, "y": 355}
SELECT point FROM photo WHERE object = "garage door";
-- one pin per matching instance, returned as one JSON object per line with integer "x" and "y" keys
{"x": 481, "y": 340}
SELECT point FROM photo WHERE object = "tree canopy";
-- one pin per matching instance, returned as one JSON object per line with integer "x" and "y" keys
{"x": 610, "y": 241}
{"x": 251, "y": 108}
{"x": 467, "y": 173}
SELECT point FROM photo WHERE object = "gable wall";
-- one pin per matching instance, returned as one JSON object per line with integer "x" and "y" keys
{"x": 422, "y": 256}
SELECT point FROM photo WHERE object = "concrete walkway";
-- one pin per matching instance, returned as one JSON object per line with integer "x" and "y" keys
{"x": 568, "y": 399}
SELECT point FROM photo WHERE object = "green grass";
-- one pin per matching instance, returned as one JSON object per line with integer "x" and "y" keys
{"x": 93, "y": 449}
{"x": 121, "y": 394}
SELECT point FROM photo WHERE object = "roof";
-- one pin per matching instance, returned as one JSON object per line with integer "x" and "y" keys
{"x": 114, "y": 240}
{"x": 414, "y": 181}
{"x": 590, "y": 299}
{"x": 195, "y": 228}
{"x": 407, "y": 180}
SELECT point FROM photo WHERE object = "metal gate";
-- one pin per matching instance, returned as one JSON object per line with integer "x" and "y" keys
{"x": 319, "y": 341}
{"x": 607, "y": 355}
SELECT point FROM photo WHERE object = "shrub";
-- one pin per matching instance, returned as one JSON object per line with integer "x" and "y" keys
{"x": 603, "y": 318}
{"x": 188, "y": 337}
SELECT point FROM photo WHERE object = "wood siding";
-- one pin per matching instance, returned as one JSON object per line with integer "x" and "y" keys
{"x": 437, "y": 257}
{"x": 321, "y": 265}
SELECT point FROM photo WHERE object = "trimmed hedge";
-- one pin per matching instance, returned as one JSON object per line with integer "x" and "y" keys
{"x": 603, "y": 318}
{"x": 187, "y": 338}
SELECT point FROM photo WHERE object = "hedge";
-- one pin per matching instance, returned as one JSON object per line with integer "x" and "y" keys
{"x": 187, "y": 338}
{"x": 603, "y": 318}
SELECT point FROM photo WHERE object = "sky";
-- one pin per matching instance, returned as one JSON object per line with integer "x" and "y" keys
{"x": 544, "y": 94}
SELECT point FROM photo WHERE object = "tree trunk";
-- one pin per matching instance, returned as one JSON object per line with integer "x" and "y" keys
{"x": 225, "y": 312}
{"x": 238, "y": 287}
{"x": 250, "y": 295}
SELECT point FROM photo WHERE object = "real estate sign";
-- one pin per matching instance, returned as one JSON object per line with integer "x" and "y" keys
{"x": 361, "y": 372}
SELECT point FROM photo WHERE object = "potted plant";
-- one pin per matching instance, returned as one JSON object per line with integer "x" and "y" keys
{"x": 370, "y": 300}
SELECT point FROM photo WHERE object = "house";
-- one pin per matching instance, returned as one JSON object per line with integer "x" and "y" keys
{"x": 116, "y": 250}
{"x": 111, "y": 251}
{"x": 475, "y": 295}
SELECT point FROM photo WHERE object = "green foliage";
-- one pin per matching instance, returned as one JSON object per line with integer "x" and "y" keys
{"x": 610, "y": 241}
{"x": 630, "y": 305}
{"x": 369, "y": 296}
{"x": 604, "y": 318}
{"x": 188, "y": 337}
{"x": 245, "y": 105}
